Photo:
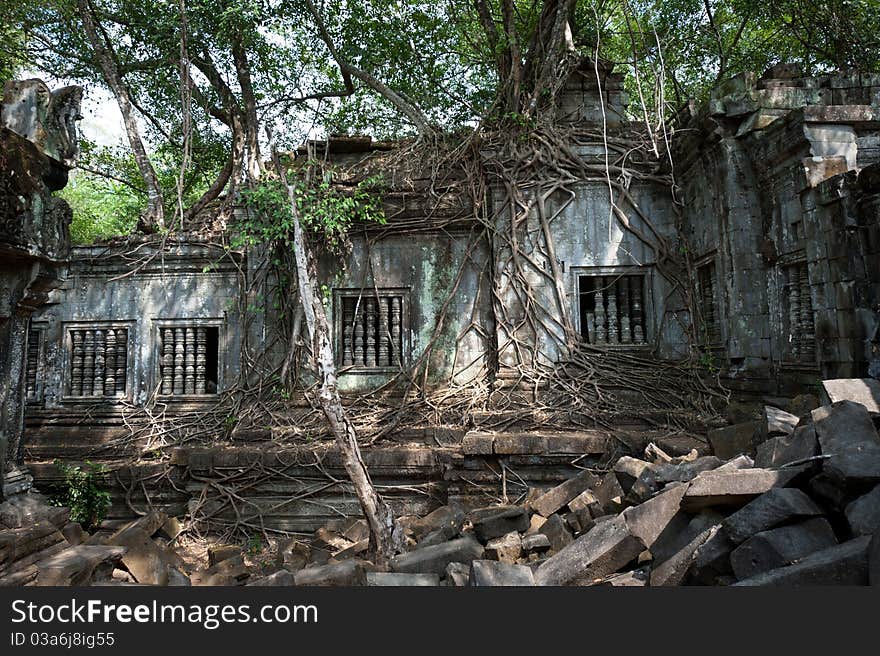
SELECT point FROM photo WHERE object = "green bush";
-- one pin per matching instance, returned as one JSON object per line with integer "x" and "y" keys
{"x": 83, "y": 492}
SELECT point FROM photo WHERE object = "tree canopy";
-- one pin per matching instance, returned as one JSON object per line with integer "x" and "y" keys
{"x": 199, "y": 81}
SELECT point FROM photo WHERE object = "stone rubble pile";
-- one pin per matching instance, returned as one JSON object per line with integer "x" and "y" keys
{"x": 791, "y": 498}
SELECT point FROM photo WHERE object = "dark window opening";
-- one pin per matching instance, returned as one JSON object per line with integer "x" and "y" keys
{"x": 797, "y": 305}
{"x": 99, "y": 362}
{"x": 707, "y": 301}
{"x": 189, "y": 360}
{"x": 611, "y": 309}
{"x": 371, "y": 331}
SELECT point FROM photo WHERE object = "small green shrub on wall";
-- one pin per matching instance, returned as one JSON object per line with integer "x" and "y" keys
{"x": 83, "y": 492}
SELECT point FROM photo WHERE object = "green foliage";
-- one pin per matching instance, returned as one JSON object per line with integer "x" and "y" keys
{"x": 83, "y": 492}
{"x": 102, "y": 208}
{"x": 327, "y": 211}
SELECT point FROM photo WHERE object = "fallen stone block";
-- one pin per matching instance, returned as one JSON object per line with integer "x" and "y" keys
{"x": 346, "y": 573}
{"x": 557, "y": 532}
{"x": 864, "y": 391}
{"x": 627, "y": 469}
{"x": 680, "y": 532}
{"x": 231, "y": 571}
{"x": 495, "y": 521}
{"x": 74, "y": 534}
{"x": 777, "y": 422}
{"x": 780, "y": 546}
{"x": 358, "y": 530}
{"x": 733, "y": 488}
{"x": 843, "y": 564}
{"x": 554, "y": 499}
{"x": 435, "y": 559}
{"x": 801, "y": 445}
{"x": 446, "y": 519}
{"x": 293, "y": 555}
{"x": 80, "y": 565}
{"x": 171, "y": 528}
{"x": 402, "y": 580}
{"x": 828, "y": 491}
{"x": 673, "y": 570}
{"x": 219, "y": 553}
{"x": 847, "y": 435}
{"x": 729, "y": 441}
{"x": 712, "y": 559}
{"x": 586, "y": 500}
{"x": 144, "y": 559}
{"x": 506, "y": 549}
{"x": 769, "y": 510}
{"x": 606, "y": 548}
{"x": 537, "y": 542}
{"x": 147, "y": 525}
{"x": 863, "y": 514}
{"x": 491, "y": 573}
{"x": 649, "y": 519}
{"x": 803, "y": 404}
{"x": 23, "y": 510}
{"x": 741, "y": 461}
{"x": 682, "y": 472}
{"x": 637, "y": 578}
{"x": 609, "y": 494}
{"x": 458, "y": 575}
{"x": 535, "y": 524}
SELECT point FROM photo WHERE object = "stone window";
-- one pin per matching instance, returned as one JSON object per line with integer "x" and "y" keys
{"x": 98, "y": 361}
{"x": 797, "y": 307}
{"x": 34, "y": 363}
{"x": 707, "y": 301}
{"x": 612, "y": 308}
{"x": 189, "y": 359}
{"x": 371, "y": 329}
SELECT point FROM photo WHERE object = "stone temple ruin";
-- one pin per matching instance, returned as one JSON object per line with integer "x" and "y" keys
{"x": 776, "y": 208}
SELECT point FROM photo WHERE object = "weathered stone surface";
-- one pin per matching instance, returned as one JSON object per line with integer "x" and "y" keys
{"x": 863, "y": 514}
{"x": 649, "y": 519}
{"x": 865, "y": 391}
{"x": 733, "y": 487}
{"x": 347, "y": 572}
{"x": 27, "y": 509}
{"x": 557, "y": 532}
{"x": 144, "y": 559}
{"x": 609, "y": 494}
{"x": 458, "y": 575}
{"x": 491, "y": 573}
{"x": 551, "y": 442}
{"x": 767, "y": 511}
{"x": 673, "y": 570}
{"x": 729, "y": 441}
{"x": 402, "y": 580}
{"x": 554, "y": 499}
{"x": 536, "y": 542}
{"x": 803, "y": 404}
{"x": 507, "y": 548}
{"x": 79, "y": 565}
{"x": 281, "y": 578}
{"x": 785, "y": 449}
{"x": 436, "y": 558}
{"x": 293, "y": 555}
{"x": 628, "y": 469}
{"x": 171, "y": 528}
{"x": 682, "y": 472}
{"x": 177, "y": 579}
{"x": 221, "y": 552}
{"x": 780, "y": 546}
{"x": 231, "y": 571}
{"x": 146, "y": 525}
{"x": 712, "y": 558}
{"x": 741, "y": 461}
{"x": 682, "y": 530}
{"x": 777, "y": 422}
{"x": 606, "y": 548}
{"x": 847, "y": 434}
{"x": 446, "y": 519}
{"x": 495, "y": 521}
{"x": 477, "y": 443}
{"x": 74, "y": 534}
{"x": 586, "y": 500}
{"x": 637, "y": 578}
{"x": 843, "y": 564}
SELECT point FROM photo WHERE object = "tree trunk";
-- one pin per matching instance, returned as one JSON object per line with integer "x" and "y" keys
{"x": 243, "y": 73}
{"x": 154, "y": 215}
{"x": 384, "y": 536}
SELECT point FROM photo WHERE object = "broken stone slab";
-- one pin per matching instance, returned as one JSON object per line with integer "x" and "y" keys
{"x": 402, "y": 580}
{"x": 605, "y": 549}
{"x": 495, "y": 521}
{"x": 828, "y": 491}
{"x": 627, "y": 469}
{"x": 144, "y": 559}
{"x": 537, "y": 542}
{"x": 685, "y": 471}
{"x": 293, "y": 555}
{"x": 148, "y": 525}
{"x": 863, "y": 514}
{"x": 733, "y": 488}
{"x": 680, "y": 532}
{"x": 231, "y": 571}
{"x": 492, "y": 573}
{"x": 346, "y": 573}
{"x": 780, "y": 546}
{"x": 769, "y": 510}
{"x": 674, "y": 569}
{"x": 729, "y": 441}
{"x": 477, "y": 443}
{"x": 555, "y": 498}
{"x": 847, "y": 435}
{"x": 842, "y": 564}
{"x": 359, "y": 530}
{"x": 458, "y": 575}
{"x": 172, "y": 528}
{"x": 777, "y": 422}
{"x": 353, "y": 550}
{"x": 18, "y": 543}
{"x": 586, "y": 500}
{"x": 535, "y": 524}
{"x": 864, "y": 391}
{"x": 80, "y": 565}
{"x": 446, "y": 519}
{"x": 741, "y": 461}
{"x": 557, "y": 532}
{"x": 801, "y": 445}
{"x": 506, "y": 549}
{"x": 649, "y": 519}
{"x": 712, "y": 559}
{"x": 281, "y": 578}
{"x": 74, "y": 534}
{"x": 609, "y": 494}
{"x": 435, "y": 559}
